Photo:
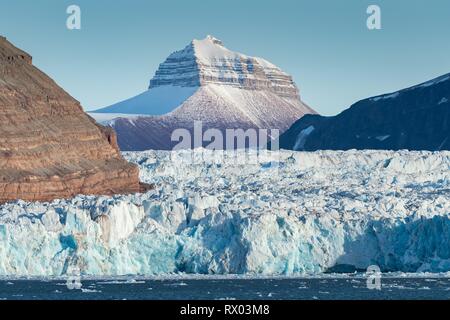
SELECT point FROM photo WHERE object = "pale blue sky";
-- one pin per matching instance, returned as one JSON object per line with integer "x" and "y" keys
{"x": 325, "y": 45}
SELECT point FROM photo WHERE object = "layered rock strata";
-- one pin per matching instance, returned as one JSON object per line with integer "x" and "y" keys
{"x": 49, "y": 148}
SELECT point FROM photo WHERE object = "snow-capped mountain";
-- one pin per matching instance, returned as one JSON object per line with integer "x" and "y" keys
{"x": 205, "y": 82}
{"x": 416, "y": 118}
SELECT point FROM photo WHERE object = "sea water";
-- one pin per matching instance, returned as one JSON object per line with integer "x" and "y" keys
{"x": 328, "y": 288}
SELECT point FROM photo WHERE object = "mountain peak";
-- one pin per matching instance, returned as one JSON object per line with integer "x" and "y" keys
{"x": 12, "y": 54}
{"x": 208, "y": 61}
{"x": 213, "y": 40}
{"x": 209, "y": 83}
{"x": 415, "y": 118}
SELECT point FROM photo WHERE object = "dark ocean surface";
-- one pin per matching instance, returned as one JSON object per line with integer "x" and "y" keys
{"x": 329, "y": 288}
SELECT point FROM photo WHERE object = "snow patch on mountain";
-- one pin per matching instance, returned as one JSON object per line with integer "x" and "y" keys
{"x": 422, "y": 85}
{"x": 301, "y": 138}
{"x": 156, "y": 101}
{"x": 443, "y": 100}
{"x": 382, "y": 138}
{"x": 388, "y": 96}
{"x": 109, "y": 119}
{"x": 434, "y": 81}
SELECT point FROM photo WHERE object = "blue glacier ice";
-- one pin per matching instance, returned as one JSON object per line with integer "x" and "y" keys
{"x": 231, "y": 213}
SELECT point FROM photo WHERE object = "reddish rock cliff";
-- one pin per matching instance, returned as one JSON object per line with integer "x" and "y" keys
{"x": 49, "y": 148}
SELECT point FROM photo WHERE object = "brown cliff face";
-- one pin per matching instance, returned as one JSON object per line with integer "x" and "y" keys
{"x": 49, "y": 148}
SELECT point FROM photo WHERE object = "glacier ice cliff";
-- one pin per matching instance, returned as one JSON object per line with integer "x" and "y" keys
{"x": 274, "y": 213}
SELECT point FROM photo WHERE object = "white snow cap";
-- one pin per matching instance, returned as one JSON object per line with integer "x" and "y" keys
{"x": 214, "y": 40}
{"x": 211, "y": 48}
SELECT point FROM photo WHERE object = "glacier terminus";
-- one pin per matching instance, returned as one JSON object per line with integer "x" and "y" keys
{"x": 289, "y": 213}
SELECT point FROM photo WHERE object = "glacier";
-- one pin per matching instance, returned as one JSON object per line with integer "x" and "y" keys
{"x": 245, "y": 213}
